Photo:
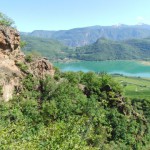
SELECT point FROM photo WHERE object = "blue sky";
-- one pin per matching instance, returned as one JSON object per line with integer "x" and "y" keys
{"x": 32, "y": 15}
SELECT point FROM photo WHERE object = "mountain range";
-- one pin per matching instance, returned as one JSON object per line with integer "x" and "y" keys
{"x": 83, "y": 36}
{"x": 102, "y": 49}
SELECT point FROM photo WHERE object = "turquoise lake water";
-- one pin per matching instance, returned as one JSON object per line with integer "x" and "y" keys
{"x": 129, "y": 68}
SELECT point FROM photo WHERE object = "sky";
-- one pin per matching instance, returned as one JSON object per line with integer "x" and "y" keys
{"x": 32, "y": 15}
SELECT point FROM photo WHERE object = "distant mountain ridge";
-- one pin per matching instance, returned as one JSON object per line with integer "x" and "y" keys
{"x": 83, "y": 36}
{"x": 102, "y": 49}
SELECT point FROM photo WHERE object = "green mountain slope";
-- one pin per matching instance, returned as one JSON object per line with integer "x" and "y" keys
{"x": 49, "y": 48}
{"x": 104, "y": 49}
{"x": 142, "y": 44}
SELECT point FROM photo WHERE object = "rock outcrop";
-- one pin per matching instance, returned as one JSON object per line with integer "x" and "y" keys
{"x": 9, "y": 39}
{"x": 9, "y": 53}
{"x": 10, "y": 56}
{"x": 41, "y": 67}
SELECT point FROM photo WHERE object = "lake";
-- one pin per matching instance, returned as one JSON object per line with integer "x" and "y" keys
{"x": 128, "y": 68}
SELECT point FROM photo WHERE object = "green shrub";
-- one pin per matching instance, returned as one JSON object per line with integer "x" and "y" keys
{"x": 23, "y": 67}
{"x": 29, "y": 58}
{"x": 6, "y": 21}
{"x": 69, "y": 119}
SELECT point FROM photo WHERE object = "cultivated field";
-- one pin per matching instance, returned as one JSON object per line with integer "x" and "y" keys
{"x": 134, "y": 87}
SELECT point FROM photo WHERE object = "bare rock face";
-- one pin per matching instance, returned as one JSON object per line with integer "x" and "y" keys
{"x": 9, "y": 39}
{"x": 10, "y": 55}
{"x": 10, "y": 75}
{"x": 41, "y": 67}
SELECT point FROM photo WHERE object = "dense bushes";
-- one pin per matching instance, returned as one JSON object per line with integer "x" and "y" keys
{"x": 73, "y": 111}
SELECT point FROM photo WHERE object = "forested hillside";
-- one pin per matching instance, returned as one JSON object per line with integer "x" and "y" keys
{"x": 104, "y": 49}
{"x": 49, "y": 48}
{"x": 74, "y": 111}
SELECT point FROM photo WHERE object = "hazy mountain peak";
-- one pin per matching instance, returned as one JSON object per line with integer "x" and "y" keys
{"x": 118, "y": 25}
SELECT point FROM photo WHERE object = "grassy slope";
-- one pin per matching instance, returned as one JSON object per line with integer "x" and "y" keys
{"x": 49, "y": 48}
{"x": 135, "y": 87}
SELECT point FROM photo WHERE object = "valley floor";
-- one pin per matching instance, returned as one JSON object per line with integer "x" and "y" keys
{"x": 134, "y": 87}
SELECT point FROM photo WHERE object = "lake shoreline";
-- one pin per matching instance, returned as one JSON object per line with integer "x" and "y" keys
{"x": 123, "y": 67}
{"x": 143, "y": 62}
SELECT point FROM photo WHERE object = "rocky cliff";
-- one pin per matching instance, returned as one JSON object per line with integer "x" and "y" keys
{"x": 12, "y": 60}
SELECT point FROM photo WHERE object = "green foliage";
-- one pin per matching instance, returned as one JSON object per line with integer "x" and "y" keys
{"x": 29, "y": 58}
{"x": 6, "y": 21}
{"x": 22, "y": 44}
{"x": 59, "y": 114}
{"x": 30, "y": 85}
{"x": 23, "y": 67}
